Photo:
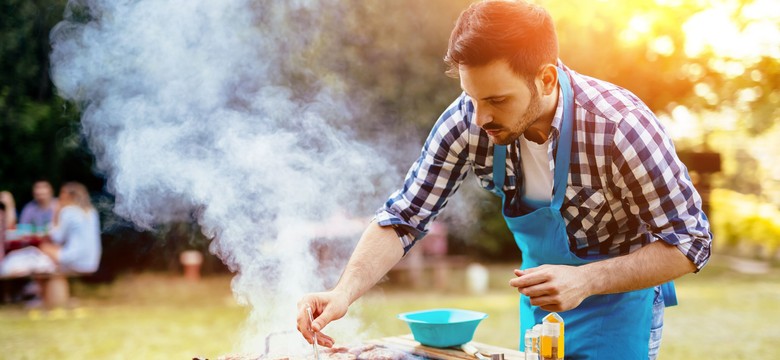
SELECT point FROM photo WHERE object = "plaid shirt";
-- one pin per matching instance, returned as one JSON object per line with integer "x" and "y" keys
{"x": 626, "y": 188}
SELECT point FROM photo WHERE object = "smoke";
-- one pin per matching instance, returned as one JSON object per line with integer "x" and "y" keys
{"x": 205, "y": 109}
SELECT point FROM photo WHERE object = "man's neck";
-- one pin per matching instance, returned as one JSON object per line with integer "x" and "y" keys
{"x": 539, "y": 131}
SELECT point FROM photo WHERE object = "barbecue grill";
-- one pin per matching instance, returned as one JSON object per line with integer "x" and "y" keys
{"x": 401, "y": 347}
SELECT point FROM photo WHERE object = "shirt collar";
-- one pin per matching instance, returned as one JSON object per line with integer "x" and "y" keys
{"x": 555, "y": 128}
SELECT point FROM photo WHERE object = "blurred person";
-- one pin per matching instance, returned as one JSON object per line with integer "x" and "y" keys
{"x": 7, "y": 218}
{"x": 599, "y": 203}
{"x": 435, "y": 248}
{"x": 2, "y": 231}
{"x": 9, "y": 206}
{"x": 19, "y": 263}
{"x": 40, "y": 211}
{"x": 435, "y": 244}
{"x": 75, "y": 234}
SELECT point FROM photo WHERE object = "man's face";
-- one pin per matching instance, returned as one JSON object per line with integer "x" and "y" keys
{"x": 42, "y": 192}
{"x": 505, "y": 105}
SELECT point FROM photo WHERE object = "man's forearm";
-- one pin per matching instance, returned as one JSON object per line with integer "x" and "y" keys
{"x": 376, "y": 253}
{"x": 652, "y": 265}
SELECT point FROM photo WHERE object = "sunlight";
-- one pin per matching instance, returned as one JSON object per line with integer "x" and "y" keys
{"x": 663, "y": 45}
{"x": 716, "y": 30}
{"x": 682, "y": 124}
{"x": 638, "y": 27}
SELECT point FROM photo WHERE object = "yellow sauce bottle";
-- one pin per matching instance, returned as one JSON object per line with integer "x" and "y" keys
{"x": 552, "y": 337}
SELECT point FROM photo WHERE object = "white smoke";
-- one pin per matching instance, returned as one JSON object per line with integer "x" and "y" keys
{"x": 201, "y": 108}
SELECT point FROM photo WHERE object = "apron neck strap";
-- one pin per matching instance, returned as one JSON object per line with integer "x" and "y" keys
{"x": 499, "y": 167}
{"x": 563, "y": 155}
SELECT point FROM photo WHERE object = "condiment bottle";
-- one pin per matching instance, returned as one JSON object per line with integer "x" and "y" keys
{"x": 552, "y": 337}
{"x": 532, "y": 343}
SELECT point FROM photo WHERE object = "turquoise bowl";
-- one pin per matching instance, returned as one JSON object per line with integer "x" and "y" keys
{"x": 443, "y": 327}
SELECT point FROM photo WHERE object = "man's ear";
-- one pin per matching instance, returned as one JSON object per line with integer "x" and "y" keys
{"x": 548, "y": 78}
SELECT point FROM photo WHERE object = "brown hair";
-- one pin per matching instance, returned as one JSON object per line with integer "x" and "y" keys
{"x": 79, "y": 194}
{"x": 516, "y": 31}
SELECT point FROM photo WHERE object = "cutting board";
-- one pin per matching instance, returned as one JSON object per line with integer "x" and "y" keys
{"x": 406, "y": 343}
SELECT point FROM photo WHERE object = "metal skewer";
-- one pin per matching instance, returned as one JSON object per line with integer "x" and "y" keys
{"x": 313, "y": 344}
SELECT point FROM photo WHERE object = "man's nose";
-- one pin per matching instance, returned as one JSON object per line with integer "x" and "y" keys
{"x": 483, "y": 117}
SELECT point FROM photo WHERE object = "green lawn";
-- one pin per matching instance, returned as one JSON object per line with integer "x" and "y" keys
{"x": 722, "y": 315}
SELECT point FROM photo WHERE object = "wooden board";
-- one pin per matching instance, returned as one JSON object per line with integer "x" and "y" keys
{"x": 407, "y": 344}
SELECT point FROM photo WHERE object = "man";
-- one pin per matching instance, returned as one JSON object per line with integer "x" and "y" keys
{"x": 40, "y": 211}
{"x": 599, "y": 203}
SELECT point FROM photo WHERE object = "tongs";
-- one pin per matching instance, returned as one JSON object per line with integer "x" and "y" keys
{"x": 472, "y": 350}
{"x": 314, "y": 343}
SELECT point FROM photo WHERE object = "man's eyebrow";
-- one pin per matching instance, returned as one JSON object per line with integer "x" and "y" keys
{"x": 492, "y": 97}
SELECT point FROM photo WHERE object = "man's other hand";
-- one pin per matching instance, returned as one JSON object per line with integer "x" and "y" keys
{"x": 552, "y": 287}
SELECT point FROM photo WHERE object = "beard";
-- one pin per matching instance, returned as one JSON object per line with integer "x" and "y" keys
{"x": 525, "y": 121}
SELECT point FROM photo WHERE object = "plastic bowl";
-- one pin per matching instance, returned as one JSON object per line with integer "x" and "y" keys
{"x": 443, "y": 327}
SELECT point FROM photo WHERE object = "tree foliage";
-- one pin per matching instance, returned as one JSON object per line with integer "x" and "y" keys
{"x": 38, "y": 131}
{"x": 387, "y": 57}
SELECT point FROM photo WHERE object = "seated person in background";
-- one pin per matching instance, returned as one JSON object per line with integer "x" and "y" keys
{"x": 75, "y": 235}
{"x": 2, "y": 231}
{"x": 7, "y": 200}
{"x": 17, "y": 263}
{"x": 40, "y": 211}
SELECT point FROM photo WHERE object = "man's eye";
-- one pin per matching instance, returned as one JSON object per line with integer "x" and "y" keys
{"x": 497, "y": 101}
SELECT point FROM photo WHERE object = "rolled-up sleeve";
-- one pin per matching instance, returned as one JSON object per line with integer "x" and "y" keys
{"x": 657, "y": 187}
{"x": 432, "y": 179}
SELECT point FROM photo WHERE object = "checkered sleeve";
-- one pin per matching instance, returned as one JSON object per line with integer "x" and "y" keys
{"x": 656, "y": 185}
{"x": 432, "y": 179}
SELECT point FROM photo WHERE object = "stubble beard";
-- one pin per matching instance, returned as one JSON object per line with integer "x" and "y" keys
{"x": 525, "y": 121}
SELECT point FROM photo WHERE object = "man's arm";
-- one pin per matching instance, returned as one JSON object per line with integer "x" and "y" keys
{"x": 651, "y": 265}
{"x": 431, "y": 180}
{"x": 376, "y": 253}
{"x": 561, "y": 288}
{"x": 655, "y": 188}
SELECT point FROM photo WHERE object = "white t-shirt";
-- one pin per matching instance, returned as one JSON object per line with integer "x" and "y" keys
{"x": 537, "y": 175}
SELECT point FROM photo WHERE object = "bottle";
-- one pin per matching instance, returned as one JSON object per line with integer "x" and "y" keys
{"x": 552, "y": 337}
{"x": 532, "y": 343}
{"x": 537, "y": 345}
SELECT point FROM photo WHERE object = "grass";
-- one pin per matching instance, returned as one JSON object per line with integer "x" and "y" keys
{"x": 722, "y": 315}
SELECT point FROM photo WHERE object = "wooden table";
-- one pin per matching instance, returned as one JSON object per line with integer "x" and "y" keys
{"x": 407, "y": 344}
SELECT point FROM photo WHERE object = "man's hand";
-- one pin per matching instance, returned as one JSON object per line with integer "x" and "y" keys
{"x": 325, "y": 307}
{"x": 552, "y": 287}
{"x": 376, "y": 253}
{"x": 563, "y": 287}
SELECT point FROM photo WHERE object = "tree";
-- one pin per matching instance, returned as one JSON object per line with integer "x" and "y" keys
{"x": 39, "y": 134}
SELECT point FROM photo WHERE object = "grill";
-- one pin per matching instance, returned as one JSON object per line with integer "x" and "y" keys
{"x": 407, "y": 344}
{"x": 402, "y": 347}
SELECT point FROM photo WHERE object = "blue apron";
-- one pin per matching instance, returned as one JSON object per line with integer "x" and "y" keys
{"x": 603, "y": 327}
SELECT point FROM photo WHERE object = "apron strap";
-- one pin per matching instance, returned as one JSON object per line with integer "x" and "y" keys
{"x": 563, "y": 155}
{"x": 669, "y": 294}
{"x": 499, "y": 167}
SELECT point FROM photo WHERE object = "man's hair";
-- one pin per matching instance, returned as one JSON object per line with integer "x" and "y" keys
{"x": 42, "y": 181}
{"x": 516, "y": 31}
